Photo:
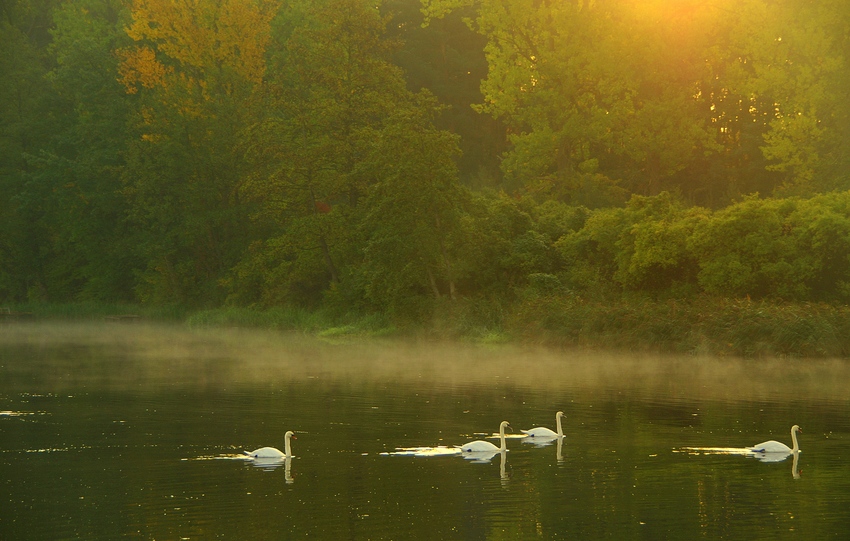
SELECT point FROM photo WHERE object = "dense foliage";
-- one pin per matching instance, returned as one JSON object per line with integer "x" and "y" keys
{"x": 504, "y": 154}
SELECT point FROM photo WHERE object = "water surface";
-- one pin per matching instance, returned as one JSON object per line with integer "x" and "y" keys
{"x": 132, "y": 431}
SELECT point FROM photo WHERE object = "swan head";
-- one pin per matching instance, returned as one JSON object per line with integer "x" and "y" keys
{"x": 796, "y": 428}
{"x": 503, "y": 425}
{"x": 290, "y": 434}
{"x": 560, "y": 414}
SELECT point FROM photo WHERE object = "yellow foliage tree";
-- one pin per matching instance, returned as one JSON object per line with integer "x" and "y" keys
{"x": 196, "y": 38}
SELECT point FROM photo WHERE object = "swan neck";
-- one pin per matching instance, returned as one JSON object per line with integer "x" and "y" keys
{"x": 287, "y": 446}
{"x": 502, "y": 438}
{"x": 558, "y": 425}
{"x": 795, "y": 446}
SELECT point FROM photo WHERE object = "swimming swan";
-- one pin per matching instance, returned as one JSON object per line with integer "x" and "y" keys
{"x": 480, "y": 446}
{"x": 773, "y": 446}
{"x": 271, "y": 452}
{"x": 543, "y": 432}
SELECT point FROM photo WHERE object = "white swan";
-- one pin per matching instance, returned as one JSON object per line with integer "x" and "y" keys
{"x": 774, "y": 446}
{"x": 271, "y": 452}
{"x": 543, "y": 432}
{"x": 481, "y": 446}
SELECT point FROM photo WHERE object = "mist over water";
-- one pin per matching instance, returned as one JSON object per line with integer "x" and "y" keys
{"x": 110, "y": 430}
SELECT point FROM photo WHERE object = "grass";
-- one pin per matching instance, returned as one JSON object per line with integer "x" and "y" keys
{"x": 95, "y": 311}
{"x": 703, "y": 325}
{"x": 738, "y": 327}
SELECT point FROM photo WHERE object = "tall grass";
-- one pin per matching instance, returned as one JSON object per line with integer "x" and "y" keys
{"x": 320, "y": 322}
{"x": 95, "y": 311}
{"x": 704, "y": 325}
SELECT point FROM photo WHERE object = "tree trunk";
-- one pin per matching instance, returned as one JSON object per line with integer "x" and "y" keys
{"x": 433, "y": 281}
{"x": 446, "y": 262}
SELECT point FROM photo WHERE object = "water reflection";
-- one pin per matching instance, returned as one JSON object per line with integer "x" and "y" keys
{"x": 768, "y": 457}
{"x": 482, "y": 457}
{"x": 796, "y": 472}
{"x": 440, "y": 450}
{"x": 748, "y": 453}
{"x": 541, "y": 442}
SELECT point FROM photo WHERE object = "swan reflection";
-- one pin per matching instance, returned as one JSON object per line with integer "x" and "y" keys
{"x": 271, "y": 464}
{"x": 481, "y": 457}
{"x": 538, "y": 441}
{"x": 766, "y": 451}
{"x": 747, "y": 452}
{"x": 768, "y": 457}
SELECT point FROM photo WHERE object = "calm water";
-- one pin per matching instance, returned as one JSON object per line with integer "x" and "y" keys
{"x": 111, "y": 431}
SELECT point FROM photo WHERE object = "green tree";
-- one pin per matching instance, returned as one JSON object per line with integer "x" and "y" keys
{"x": 708, "y": 100}
{"x": 413, "y": 213}
{"x": 447, "y": 58}
{"x": 91, "y": 253}
{"x": 782, "y": 81}
{"x": 195, "y": 68}
{"x": 25, "y": 124}
{"x": 331, "y": 94}
{"x": 793, "y": 249}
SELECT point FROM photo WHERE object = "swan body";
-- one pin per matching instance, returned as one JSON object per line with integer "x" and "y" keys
{"x": 543, "y": 432}
{"x": 774, "y": 446}
{"x": 481, "y": 446}
{"x": 273, "y": 453}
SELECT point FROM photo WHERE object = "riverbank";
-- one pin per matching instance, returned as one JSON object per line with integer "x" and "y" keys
{"x": 732, "y": 327}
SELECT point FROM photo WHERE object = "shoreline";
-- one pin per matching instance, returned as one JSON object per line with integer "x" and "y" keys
{"x": 702, "y": 326}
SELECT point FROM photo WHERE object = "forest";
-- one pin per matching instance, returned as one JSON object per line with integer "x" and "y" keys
{"x": 546, "y": 168}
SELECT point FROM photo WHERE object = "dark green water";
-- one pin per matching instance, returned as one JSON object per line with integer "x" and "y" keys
{"x": 112, "y": 432}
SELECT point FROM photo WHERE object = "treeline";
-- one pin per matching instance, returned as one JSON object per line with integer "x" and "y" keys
{"x": 335, "y": 154}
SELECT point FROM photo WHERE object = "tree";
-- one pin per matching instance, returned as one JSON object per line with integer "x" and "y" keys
{"x": 413, "y": 213}
{"x": 24, "y": 126}
{"x": 447, "y": 58}
{"x": 196, "y": 68}
{"x": 331, "y": 93}
{"x": 91, "y": 245}
{"x": 692, "y": 97}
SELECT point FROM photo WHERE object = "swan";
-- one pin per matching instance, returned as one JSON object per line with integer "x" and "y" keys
{"x": 481, "y": 446}
{"x": 271, "y": 452}
{"x": 543, "y": 432}
{"x": 773, "y": 446}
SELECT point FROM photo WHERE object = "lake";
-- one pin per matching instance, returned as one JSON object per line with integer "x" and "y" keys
{"x": 112, "y": 430}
